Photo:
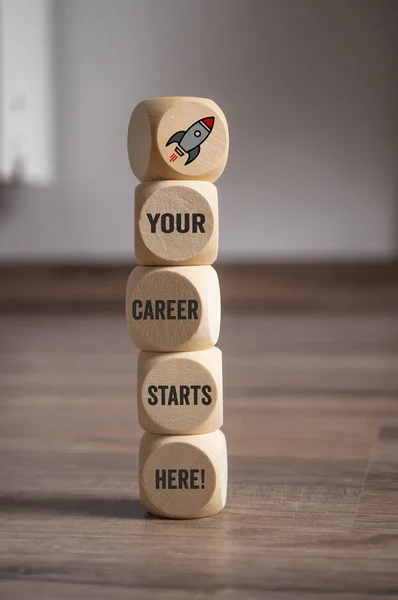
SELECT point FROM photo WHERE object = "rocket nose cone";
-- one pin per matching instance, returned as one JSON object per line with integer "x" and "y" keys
{"x": 209, "y": 122}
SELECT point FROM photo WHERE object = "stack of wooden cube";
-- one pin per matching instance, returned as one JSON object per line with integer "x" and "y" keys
{"x": 178, "y": 147}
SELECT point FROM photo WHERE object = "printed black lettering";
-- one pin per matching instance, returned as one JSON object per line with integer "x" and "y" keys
{"x": 160, "y": 479}
{"x": 171, "y": 309}
{"x": 160, "y": 305}
{"x": 184, "y": 394}
{"x": 198, "y": 221}
{"x": 173, "y": 396}
{"x": 167, "y": 223}
{"x": 195, "y": 389}
{"x": 183, "y": 479}
{"x": 181, "y": 222}
{"x": 193, "y": 309}
{"x": 153, "y": 400}
{"x": 180, "y": 479}
{"x": 206, "y": 390}
{"x": 152, "y": 221}
{"x": 202, "y": 474}
{"x": 180, "y": 228}
{"x": 172, "y": 476}
{"x": 137, "y": 314}
{"x": 165, "y": 309}
{"x": 163, "y": 389}
{"x": 194, "y": 476}
{"x": 148, "y": 312}
{"x": 181, "y": 310}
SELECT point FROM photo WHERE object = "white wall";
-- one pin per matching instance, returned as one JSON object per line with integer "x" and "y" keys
{"x": 26, "y": 127}
{"x": 310, "y": 91}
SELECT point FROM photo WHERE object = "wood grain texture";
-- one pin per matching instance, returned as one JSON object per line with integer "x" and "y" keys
{"x": 305, "y": 287}
{"x": 311, "y": 419}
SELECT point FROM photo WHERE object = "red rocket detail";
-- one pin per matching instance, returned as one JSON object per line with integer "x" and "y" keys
{"x": 209, "y": 122}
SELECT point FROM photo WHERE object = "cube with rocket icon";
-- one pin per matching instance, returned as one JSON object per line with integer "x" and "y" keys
{"x": 178, "y": 138}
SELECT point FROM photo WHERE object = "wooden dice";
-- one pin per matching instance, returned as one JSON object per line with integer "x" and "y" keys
{"x": 173, "y": 309}
{"x": 183, "y": 476}
{"x": 178, "y": 138}
{"x": 180, "y": 392}
{"x": 177, "y": 147}
{"x": 176, "y": 223}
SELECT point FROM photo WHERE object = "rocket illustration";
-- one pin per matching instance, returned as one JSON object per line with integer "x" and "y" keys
{"x": 189, "y": 141}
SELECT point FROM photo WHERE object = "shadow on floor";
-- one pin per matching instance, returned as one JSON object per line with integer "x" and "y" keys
{"x": 117, "y": 508}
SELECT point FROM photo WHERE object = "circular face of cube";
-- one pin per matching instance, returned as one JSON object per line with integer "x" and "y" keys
{"x": 180, "y": 393}
{"x": 176, "y": 223}
{"x": 178, "y": 138}
{"x": 171, "y": 309}
{"x": 183, "y": 476}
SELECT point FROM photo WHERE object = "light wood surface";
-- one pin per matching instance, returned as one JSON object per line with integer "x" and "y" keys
{"x": 176, "y": 223}
{"x": 311, "y": 420}
{"x": 173, "y": 309}
{"x": 183, "y": 476}
{"x": 180, "y": 393}
{"x": 177, "y": 138}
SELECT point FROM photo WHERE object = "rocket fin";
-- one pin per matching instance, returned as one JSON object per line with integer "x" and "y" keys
{"x": 192, "y": 154}
{"x": 176, "y": 138}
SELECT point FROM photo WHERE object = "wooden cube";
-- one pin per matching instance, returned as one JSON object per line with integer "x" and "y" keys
{"x": 183, "y": 477}
{"x": 173, "y": 309}
{"x": 180, "y": 392}
{"x": 177, "y": 138}
{"x": 176, "y": 223}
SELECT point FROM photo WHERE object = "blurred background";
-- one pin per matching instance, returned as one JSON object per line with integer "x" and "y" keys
{"x": 309, "y": 88}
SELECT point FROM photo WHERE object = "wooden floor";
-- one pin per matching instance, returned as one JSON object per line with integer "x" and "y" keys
{"x": 311, "y": 419}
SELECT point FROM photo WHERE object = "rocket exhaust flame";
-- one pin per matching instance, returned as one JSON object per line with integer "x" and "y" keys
{"x": 173, "y": 157}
